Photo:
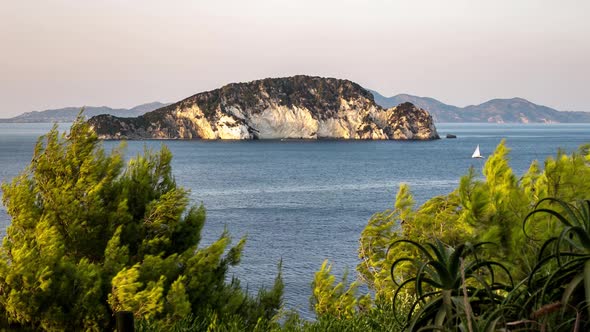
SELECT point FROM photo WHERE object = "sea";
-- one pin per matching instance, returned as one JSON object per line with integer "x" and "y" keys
{"x": 301, "y": 202}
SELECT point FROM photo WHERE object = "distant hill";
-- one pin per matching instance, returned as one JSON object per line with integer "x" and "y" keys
{"x": 514, "y": 110}
{"x": 68, "y": 114}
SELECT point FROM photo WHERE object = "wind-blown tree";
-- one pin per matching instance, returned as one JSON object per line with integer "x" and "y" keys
{"x": 485, "y": 208}
{"x": 331, "y": 298}
{"x": 491, "y": 209}
{"x": 90, "y": 236}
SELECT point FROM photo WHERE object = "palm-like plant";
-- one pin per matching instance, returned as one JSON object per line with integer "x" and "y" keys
{"x": 563, "y": 266}
{"x": 452, "y": 285}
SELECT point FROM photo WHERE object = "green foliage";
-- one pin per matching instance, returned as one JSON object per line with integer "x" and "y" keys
{"x": 485, "y": 208}
{"x": 450, "y": 283}
{"x": 334, "y": 299}
{"x": 376, "y": 238}
{"x": 562, "y": 274}
{"x": 488, "y": 209}
{"x": 377, "y": 319}
{"x": 90, "y": 236}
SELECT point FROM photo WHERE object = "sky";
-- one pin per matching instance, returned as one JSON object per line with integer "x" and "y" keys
{"x": 124, "y": 53}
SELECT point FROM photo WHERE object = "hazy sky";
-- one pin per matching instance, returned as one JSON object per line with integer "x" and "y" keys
{"x": 123, "y": 53}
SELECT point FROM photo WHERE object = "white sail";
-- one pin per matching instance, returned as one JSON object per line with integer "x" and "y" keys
{"x": 476, "y": 153}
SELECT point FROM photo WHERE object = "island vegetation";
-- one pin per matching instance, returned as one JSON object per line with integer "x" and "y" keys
{"x": 92, "y": 235}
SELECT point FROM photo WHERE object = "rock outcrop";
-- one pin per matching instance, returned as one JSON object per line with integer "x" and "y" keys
{"x": 299, "y": 107}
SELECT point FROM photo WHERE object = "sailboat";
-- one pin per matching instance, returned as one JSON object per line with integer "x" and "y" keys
{"x": 476, "y": 153}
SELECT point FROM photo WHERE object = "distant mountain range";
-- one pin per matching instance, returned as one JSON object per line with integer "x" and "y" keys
{"x": 68, "y": 114}
{"x": 514, "y": 110}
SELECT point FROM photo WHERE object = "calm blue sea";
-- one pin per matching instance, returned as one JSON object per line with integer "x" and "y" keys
{"x": 306, "y": 201}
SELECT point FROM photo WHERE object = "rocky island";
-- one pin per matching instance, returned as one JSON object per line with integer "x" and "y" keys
{"x": 300, "y": 107}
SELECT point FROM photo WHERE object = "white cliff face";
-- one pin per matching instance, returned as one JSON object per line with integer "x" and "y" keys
{"x": 197, "y": 119}
{"x": 283, "y": 122}
{"x": 278, "y": 121}
{"x": 228, "y": 128}
{"x": 298, "y": 107}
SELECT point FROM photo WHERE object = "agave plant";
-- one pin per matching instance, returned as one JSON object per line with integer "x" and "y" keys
{"x": 453, "y": 286}
{"x": 562, "y": 274}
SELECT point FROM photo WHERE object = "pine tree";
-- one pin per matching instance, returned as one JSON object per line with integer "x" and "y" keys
{"x": 334, "y": 299}
{"x": 90, "y": 236}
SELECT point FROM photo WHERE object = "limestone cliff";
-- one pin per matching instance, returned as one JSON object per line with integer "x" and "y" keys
{"x": 293, "y": 107}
